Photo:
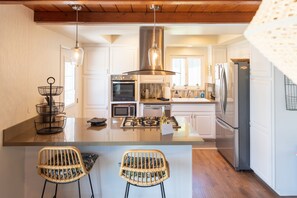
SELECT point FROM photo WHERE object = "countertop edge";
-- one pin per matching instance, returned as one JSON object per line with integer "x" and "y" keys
{"x": 177, "y": 143}
{"x": 155, "y": 101}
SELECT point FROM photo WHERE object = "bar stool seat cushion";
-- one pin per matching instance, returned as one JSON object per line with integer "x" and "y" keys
{"x": 89, "y": 160}
{"x": 144, "y": 163}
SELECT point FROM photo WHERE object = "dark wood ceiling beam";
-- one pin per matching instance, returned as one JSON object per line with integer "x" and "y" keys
{"x": 99, "y": 17}
{"x": 133, "y": 2}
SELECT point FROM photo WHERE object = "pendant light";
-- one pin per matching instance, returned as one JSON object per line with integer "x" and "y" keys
{"x": 154, "y": 53}
{"x": 77, "y": 53}
{"x": 273, "y": 32}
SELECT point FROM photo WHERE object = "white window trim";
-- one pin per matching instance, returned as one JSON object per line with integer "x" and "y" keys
{"x": 202, "y": 57}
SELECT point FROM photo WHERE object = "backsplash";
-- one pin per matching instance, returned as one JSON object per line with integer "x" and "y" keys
{"x": 156, "y": 90}
{"x": 151, "y": 90}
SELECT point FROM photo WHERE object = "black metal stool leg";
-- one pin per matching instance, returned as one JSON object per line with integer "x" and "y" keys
{"x": 56, "y": 190}
{"x": 78, "y": 189}
{"x": 162, "y": 190}
{"x": 91, "y": 186}
{"x": 43, "y": 188}
{"x": 127, "y": 190}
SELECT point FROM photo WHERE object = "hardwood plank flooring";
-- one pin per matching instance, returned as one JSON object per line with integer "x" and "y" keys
{"x": 213, "y": 177}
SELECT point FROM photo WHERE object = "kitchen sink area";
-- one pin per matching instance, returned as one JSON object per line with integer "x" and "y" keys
{"x": 190, "y": 100}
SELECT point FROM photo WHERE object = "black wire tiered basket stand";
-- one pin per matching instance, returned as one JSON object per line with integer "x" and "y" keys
{"x": 51, "y": 114}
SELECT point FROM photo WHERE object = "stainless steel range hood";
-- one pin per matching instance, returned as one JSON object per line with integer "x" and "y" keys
{"x": 145, "y": 43}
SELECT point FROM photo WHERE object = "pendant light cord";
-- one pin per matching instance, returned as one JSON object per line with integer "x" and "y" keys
{"x": 76, "y": 45}
{"x": 154, "y": 34}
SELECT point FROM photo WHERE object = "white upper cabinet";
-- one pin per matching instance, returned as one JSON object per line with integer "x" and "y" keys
{"x": 238, "y": 50}
{"x": 260, "y": 66}
{"x": 219, "y": 55}
{"x": 123, "y": 59}
{"x": 96, "y": 60}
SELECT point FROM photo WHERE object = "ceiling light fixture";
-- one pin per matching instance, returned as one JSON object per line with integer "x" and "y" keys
{"x": 154, "y": 53}
{"x": 273, "y": 31}
{"x": 77, "y": 53}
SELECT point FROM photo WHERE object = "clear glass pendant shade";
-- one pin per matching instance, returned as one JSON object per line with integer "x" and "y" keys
{"x": 77, "y": 55}
{"x": 154, "y": 56}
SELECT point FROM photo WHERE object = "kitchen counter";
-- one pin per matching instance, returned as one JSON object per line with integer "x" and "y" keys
{"x": 79, "y": 133}
{"x": 155, "y": 101}
{"x": 110, "y": 142}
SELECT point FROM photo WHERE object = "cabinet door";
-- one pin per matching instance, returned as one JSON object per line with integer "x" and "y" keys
{"x": 219, "y": 55}
{"x": 123, "y": 59}
{"x": 259, "y": 66}
{"x": 261, "y": 128}
{"x": 261, "y": 159}
{"x": 186, "y": 115}
{"x": 95, "y": 82}
{"x": 261, "y": 117}
{"x": 96, "y": 60}
{"x": 204, "y": 124}
{"x": 95, "y": 96}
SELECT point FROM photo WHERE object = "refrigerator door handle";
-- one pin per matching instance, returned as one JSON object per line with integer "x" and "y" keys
{"x": 224, "y": 91}
{"x": 221, "y": 89}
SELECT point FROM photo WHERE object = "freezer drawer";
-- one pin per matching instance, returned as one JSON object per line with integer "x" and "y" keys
{"x": 227, "y": 142}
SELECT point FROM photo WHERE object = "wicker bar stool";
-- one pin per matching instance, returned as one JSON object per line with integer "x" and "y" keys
{"x": 144, "y": 168}
{"x": 64, "y": 164}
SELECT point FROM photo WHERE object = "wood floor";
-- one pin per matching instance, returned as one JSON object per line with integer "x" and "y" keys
{"x": 213, "y": 177}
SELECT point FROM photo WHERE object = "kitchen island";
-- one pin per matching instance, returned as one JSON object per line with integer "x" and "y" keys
{"x": 110, "y": 142}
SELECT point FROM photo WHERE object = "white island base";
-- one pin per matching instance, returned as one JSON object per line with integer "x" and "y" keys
{"x": 105, "y": 174}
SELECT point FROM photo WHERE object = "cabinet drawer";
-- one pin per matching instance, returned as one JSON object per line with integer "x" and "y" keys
{"x": 193, "y": 107}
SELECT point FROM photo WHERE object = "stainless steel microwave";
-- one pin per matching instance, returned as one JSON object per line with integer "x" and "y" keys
{"x": 123, "y": 110}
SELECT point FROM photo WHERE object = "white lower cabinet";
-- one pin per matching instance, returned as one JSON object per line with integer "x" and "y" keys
{"x": 201, "y": 117}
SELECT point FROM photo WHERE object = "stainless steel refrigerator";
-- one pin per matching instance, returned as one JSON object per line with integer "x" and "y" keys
{"x": 233, "y": 112}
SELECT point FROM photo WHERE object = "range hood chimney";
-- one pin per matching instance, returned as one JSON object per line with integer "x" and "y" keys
{"x": 145, "y": 43}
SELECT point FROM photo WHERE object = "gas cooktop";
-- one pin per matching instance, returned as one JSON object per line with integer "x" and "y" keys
{"x": 146, "y": 122}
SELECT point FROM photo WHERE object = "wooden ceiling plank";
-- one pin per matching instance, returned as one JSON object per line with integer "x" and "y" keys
{"x": 94, "y": 7}
{"x": 109, "y": 8}
{"x": 220, "y": 8}
{"x": 169, "y": 8}
{"x": 198, "y": 8}
{"x": 45, "y": 8}
{"x": 133, "y": 2}
{"x": 98, "y": 17}
{"x": 183, "y": 8}
{"x": 124, "y": 8}
{"x": 139, "y": 8}
{"x": 64, "y": 8}
{"x": 246, "y": 8}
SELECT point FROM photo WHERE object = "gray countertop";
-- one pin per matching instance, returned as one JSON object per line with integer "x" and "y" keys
{"x": 79, "y": 133}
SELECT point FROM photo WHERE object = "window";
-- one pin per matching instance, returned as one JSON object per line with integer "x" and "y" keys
{"x": 69, "y": 86}
{"x": 189, "y": 68}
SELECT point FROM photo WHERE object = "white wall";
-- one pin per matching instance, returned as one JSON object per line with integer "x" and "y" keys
{"x": 28, "y": 55}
